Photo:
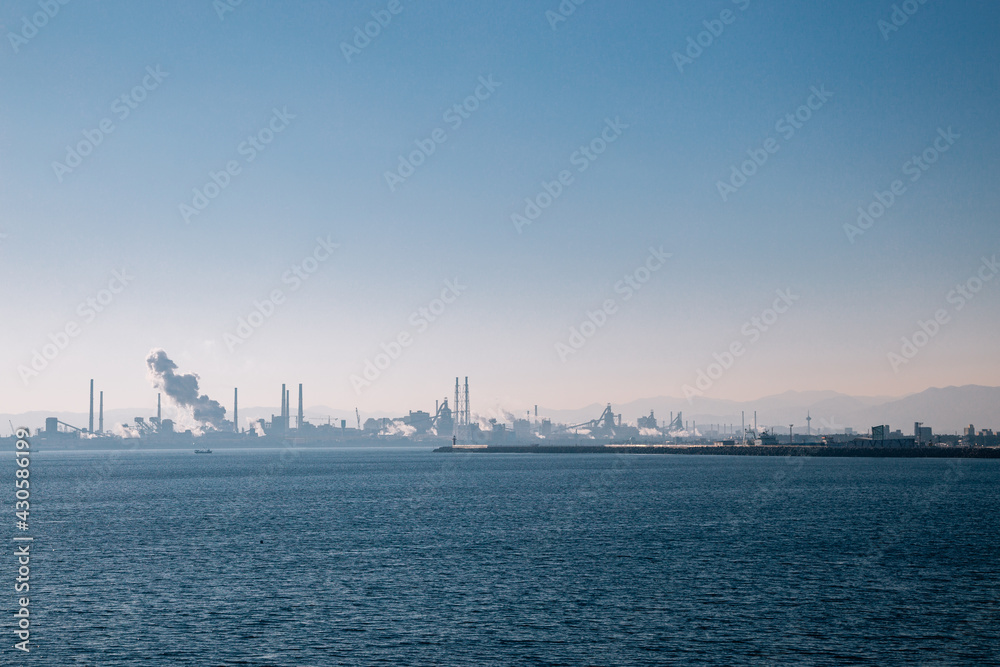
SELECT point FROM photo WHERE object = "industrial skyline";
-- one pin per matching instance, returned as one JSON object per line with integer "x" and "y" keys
{"x": 194, "y": 412}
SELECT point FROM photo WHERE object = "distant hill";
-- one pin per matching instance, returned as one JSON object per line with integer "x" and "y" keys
{"x": 946, "y": 410}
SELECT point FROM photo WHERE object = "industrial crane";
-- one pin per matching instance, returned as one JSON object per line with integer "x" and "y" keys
{"x": 608, "y": 420}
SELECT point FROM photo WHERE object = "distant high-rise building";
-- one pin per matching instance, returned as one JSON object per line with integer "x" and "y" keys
{"x": 922, "y": 433}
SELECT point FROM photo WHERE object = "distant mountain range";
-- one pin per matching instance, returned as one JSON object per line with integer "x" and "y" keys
{"x": 946, "y": 410}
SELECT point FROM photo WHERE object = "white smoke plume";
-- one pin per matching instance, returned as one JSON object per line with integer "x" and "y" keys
{"x": 183, "y": 389}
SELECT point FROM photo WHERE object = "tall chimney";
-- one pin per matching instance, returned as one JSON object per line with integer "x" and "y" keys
{"x": 100, "y": 427}
{"x": 91, "y": 429}
{"x": 299, "y": 425}
{"x": 284, "y": 408}
{"x": 236, "y": 408}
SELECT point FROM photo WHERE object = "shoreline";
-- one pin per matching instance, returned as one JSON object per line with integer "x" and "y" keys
{"x": 747, "y": 450}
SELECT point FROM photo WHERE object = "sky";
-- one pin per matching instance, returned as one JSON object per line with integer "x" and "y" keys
{"x": 568, "y": 208}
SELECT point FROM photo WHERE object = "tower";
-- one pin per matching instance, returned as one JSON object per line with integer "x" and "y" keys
{"x": 284, "y": 408}
{"x": 462, "y": 417}
{"x": 91, "y": 429}
{"x": 100, "y": 423}
{"x": 808, "y": 424}
{"x": 468, "y": 413}
{"x": 298, "y": 424}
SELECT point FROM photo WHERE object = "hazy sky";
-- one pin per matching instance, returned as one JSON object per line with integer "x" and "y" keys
{"x": 309, "y": 128}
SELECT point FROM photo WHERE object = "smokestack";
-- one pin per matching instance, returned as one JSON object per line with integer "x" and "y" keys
{"x": 300, "y": 406}
{"x": 100, "y": 426}
{"x": 236, "y": 407}
{"x": 284, "y": 408}
{"x": 91, "y": 429}
{"x": 158, "y": 407}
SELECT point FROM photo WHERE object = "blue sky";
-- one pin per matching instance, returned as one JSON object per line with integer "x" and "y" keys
{"x": 323, "y": 176}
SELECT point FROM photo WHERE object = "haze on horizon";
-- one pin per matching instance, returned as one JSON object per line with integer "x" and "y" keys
{"x": 694, "y": 205}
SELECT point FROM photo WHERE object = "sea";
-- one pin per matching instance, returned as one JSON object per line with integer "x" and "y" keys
{"x": 402, "y": 556}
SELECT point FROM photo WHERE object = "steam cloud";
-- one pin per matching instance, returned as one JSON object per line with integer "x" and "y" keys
{"x": 183, "y": 389}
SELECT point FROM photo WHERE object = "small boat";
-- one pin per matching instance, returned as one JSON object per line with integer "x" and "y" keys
{"x": 203, "y": 451}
